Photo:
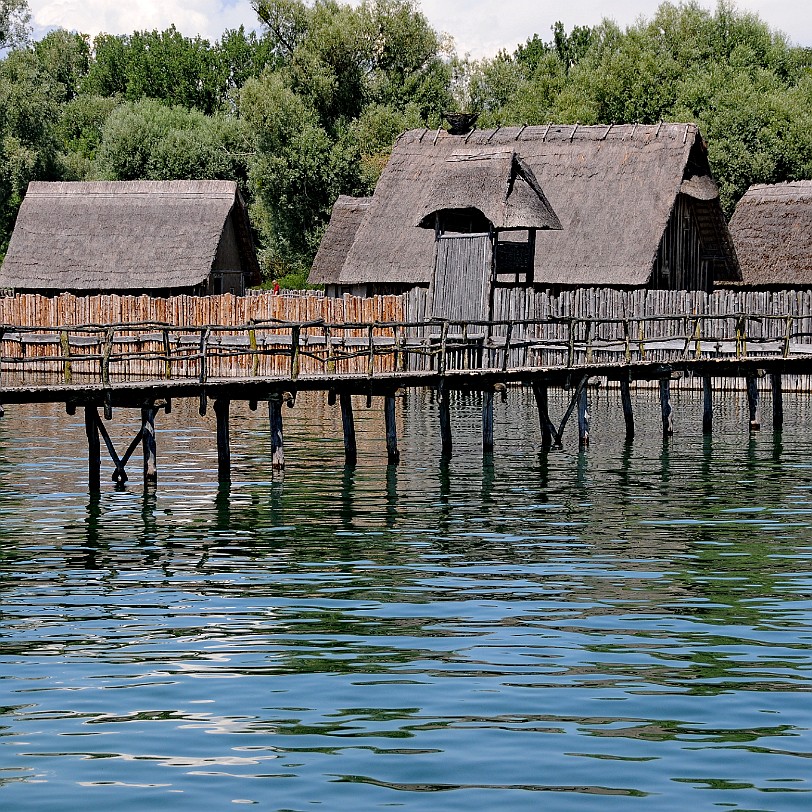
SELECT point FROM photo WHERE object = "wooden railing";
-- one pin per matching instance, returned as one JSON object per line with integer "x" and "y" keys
{"x": 113, "y": 353}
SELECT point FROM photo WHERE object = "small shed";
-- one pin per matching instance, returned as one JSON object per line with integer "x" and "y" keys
{"x": 637, "y": 207}
{"x": 131, "y": 237}
{"x": 772, "y": 232}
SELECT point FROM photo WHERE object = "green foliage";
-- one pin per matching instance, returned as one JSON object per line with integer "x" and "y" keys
{"x": 15, "y": 23}
{"x": 310, "y": 108}
{"x": 148, "y": 140}
{"x": 178, "y": 70}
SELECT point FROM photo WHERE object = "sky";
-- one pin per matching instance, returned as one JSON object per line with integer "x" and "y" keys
{"x": 479, "y": 27}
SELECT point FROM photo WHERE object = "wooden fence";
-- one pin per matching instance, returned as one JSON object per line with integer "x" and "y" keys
{"x": 111, "y": 338}
{"x": 666, "y": 318}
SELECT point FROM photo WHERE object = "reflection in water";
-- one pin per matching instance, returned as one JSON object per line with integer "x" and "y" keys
{"x": 625, "y": 622}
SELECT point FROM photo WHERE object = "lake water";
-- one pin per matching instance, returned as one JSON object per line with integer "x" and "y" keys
{"x": 627, "y": 628}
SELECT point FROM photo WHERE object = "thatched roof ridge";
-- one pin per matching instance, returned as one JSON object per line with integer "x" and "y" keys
{"x": 772, "y": 231}
{"x": 496, "y": 182}
{"x": 612, "y": 187}
{"x": 347, "y": 214}
{"x": 123, "y": 235}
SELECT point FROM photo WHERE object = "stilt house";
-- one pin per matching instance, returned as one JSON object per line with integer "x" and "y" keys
{"x": 613, "y": 206}
{"x": 772, "y": 232}
{"x": 131, "y": 237}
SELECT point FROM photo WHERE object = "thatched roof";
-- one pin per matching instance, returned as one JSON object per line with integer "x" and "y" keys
{"x": 124, "y": 235}
{"x": 612, "y": 187}
{"x": 338, "y": 239}
{"x": 772, "y": 231}
{"x": 496, "y": 182}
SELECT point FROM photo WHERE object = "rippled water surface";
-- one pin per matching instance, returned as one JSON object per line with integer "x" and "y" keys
{"x": 627, "y": 628}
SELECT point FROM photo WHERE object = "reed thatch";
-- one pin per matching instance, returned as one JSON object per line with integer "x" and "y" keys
{"x": 772, "y": 231}
{"x": 613, "y": 189}
{"x": 494, "y": 181}
{"x": 114, "y": 236}
{"x": 348, "y": 212}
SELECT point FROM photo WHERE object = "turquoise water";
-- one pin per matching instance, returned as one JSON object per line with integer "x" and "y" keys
{"x": 627, "y": 628}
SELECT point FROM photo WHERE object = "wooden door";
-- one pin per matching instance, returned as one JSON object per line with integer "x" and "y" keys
{"x": 461, "y": 286}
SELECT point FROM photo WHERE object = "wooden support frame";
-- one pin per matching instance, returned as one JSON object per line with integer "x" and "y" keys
{"x": 487, "y": 422}
{"x": 392, "y": 453}
{"x": 221, "y": 410}
{"x": 348, "y": 426}
{"x": 277, "y": 437}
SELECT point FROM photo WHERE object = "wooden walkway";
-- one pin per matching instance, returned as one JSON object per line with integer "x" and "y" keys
{"x": 147, "y": 365}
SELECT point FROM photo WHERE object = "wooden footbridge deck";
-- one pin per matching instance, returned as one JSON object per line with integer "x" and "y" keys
{"x": 147, "y": 365}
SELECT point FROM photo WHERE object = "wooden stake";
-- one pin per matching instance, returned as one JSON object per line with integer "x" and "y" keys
{"x": 445, "y": 419}
{"x": 778, "y": 401}
{"x": 628, "y": 413}
{"x": 275, "y": 420}
{"x": 665, "y": 407}
{"x": 93, "y": 449}
{"x": 752, "y": 402}
{"x": 148, "y": 444}
{"x": 707, "y": 407}
{"x": 221, "y": 410}
{"x": 348, "y": 426}
{"x": 487, "y": 422}
{"x": 392, "y": 453}
{"x": 583, "y": 418}
{"x": 548, "y": 430}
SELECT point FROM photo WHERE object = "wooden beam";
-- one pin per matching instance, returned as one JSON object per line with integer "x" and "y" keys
{"x": 752, "y": 403}
{"x": 445, "y": 419}
{"x": 221, "y": 410}
{"x": 348, "y": 427}
{"x": 707, "y": 404}
{"x": 548, "y": 431}
{"x": 392, "y": 453}
{"x": 487, "y": 422}
{"x": 778, "y": 401}
{"x": 665, "y": 407}
{"x": 628, "y": 413}
{"x": 583, "y": 417}
{"x": 275, "y": 421}
{"x": 148, "y": 444}
{"x": 93, "y": 449}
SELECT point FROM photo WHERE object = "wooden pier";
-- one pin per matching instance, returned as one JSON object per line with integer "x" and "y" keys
{"x": 147, "y": 365}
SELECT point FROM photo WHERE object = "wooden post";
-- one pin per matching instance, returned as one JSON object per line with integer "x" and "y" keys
{"x": 487, "y": 422}
{"x": 93, "y": 449}
{"x": 583, "y": 418}
{"x": 665, "y": 407}
{"x": 445, "y": 419}
{"x": 348, "y": 424}
{"x": 392, "y": 453}
{"x": 148, "y": 444}
{"x": 628, "y": 414}
{"x": 275, "y": 420}
{"x": 707, "y": 407}
{"x": 778, "y": 401}
{"x": 548, "y": 431}
{"x": 752, "y": 402}
{"x": 221, "y": 410}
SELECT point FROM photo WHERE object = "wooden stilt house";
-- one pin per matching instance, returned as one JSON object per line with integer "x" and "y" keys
{"x": 155, "y": 237}
{"x": 636, "y": 204}
{"x": 772, "y": 231}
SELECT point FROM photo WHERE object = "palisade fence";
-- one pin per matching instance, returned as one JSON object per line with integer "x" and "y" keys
{"x": 110, "y": 338}
{"x": 609, "y": 325}
{"x": 72, "y": 339}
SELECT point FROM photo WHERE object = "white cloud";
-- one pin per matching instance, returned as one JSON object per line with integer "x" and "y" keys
{"x": 480, "y": 27}
{"x": 209, "y": 18}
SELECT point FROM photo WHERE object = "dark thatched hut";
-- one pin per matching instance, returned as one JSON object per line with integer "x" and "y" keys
{"x": 772, "y": 232}
{"x": 348, "y": 212}
{"x": 636, "y": 204}
{"x": 155, "y": 237}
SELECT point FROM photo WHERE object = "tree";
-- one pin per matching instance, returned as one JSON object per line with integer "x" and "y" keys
{"x": 15, "y": 20}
